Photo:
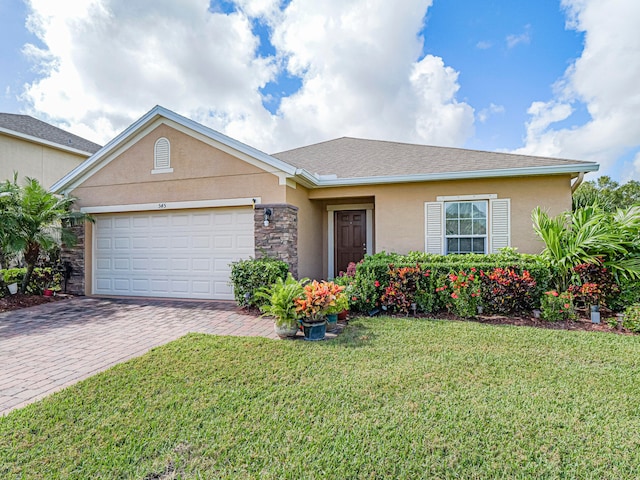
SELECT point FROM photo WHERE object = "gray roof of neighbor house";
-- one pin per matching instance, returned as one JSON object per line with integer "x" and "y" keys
{"x": 25, "y": 126}
{"x": 356, "y": 158}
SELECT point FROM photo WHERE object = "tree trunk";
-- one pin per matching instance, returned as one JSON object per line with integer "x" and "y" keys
{"x": 31, "y": 258}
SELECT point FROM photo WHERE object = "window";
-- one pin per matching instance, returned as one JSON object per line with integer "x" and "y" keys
{"x": 479, "y": 223}
{"x": 162, "y": 156}
{"x": 466, "y": 227}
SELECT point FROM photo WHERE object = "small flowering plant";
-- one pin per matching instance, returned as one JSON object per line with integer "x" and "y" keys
{"x": 317, "y": 298}
{"x": 404, "y": 286}
{"x": 461, "y": 292}
{"x": 557, "y": 306}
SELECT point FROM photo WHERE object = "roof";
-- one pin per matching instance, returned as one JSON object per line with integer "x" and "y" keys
{"x": 351, "y": 158}
{"x": 36, "y": 130}
{"x": 345, "y": 161}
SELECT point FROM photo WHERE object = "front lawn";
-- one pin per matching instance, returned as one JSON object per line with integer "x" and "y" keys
{"x": 390, "y": 398}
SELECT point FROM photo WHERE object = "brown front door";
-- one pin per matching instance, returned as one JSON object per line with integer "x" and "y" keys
{"x": 351, "y": 238}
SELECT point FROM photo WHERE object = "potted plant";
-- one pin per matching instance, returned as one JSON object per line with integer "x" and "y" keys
{"x": 341, "y": 304}
{"x": 281, "y": 305}
{"x": 312, "y": 307}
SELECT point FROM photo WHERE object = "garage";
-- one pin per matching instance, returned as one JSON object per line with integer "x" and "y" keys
{"x": 174, "y": 254}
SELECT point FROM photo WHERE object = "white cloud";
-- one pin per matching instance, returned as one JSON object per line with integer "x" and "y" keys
{"x": 484, "y": 45}
{"x": 604, "y": 78}
{"x": 106, "y": 62}
{"x": 492, "y": 109}
{"x": 517, "y": 39}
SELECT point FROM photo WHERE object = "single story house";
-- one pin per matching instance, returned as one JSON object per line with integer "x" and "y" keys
{"x": 175, "y": 202}
{"x": 36, "y": 149}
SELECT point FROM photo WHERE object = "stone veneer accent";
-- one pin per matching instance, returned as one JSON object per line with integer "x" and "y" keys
{"x": 279, "y": 239}
{"x": 75, "y": 256}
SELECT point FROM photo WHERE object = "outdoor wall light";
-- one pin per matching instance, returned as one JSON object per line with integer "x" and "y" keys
{"x": 267, "y": 216}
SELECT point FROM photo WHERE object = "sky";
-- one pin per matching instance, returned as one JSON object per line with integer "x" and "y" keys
{"x": 556, "y": 78}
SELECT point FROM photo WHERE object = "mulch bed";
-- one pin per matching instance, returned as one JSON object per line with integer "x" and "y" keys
{"x": 19, "y": 300}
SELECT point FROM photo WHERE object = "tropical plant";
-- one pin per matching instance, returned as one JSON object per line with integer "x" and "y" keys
{"x": 461, "y": 292}
{"x": 317, "y": 298}
{"x": 505, "y": 291}
{"x": 280, "y": 300}
{"x": 35, "y": 221}
{"x": 590, "y": 235}
{"x": 631, "y": 319}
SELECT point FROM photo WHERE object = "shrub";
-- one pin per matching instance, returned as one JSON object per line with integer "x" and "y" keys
{"x": 632, "y": 318}
{"x": 557, "y": 306}
{"x": 41, "y": 278}
{"x": 407, "y": 286}
{"x": 505, "y": 291}
{"x": 365, "y": 291}
{"x": 461, "y": 292}
{"x": 593, "y": 284}
{"x": 248, "y": 276}
{"x": 628, "y": 295}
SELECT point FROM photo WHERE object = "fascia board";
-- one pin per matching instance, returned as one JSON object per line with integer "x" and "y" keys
{"x": 41, "y": 141}
{"x": 468, "y": 175}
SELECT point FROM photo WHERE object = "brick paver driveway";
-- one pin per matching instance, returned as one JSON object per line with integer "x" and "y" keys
{"x": 46, "y": 348}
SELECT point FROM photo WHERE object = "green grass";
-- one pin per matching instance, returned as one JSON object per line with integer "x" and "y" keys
{"x": 390, "y": 398}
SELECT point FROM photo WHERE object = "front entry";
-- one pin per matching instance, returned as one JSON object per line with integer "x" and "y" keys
{"x": 351, "y": 238}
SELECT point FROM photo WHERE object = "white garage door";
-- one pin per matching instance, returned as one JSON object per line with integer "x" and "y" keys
{"x": 181, "y": 254}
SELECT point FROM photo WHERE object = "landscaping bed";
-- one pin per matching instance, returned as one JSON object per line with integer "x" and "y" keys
{"x": 19, "y": 300}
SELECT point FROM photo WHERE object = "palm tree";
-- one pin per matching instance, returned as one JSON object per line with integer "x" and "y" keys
{"x": 35, "y": 220}
{"x": 590, "y": 235}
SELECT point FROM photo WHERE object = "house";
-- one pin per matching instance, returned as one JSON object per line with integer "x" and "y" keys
{"x": 175, "y": 202}
{"x": 35, "y": 149}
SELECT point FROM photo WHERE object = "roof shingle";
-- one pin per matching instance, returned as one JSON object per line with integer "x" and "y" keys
{"x": 355, "y": 158}
{"x": 33, "y": 127}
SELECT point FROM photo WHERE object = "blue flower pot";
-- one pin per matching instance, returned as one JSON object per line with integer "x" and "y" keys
{"x": 332, "y": 322}
{"x": 314, "y": 331}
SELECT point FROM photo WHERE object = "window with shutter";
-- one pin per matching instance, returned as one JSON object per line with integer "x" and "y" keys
{"x": 467, "y": 224}
{"x": 162, "y": 156}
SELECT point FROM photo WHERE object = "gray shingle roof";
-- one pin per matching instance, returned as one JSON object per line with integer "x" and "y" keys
{"x": 33, "y": 127}
{"x": 354, "y": 158}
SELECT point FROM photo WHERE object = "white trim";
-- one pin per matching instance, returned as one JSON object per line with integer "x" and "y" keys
{"x": 331, "y": 209}
{"x": 463, "y": 198}
{"x": 160, "y": 206}
{"x": 162, "y": 170}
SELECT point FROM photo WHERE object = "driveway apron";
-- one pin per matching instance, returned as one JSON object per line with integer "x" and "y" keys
{"x": 48, "y": 347}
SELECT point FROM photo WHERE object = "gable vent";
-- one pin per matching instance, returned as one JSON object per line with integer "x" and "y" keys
{"x": 162, "y": 154}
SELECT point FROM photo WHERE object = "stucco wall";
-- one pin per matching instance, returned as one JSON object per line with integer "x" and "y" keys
{"x": 310, "y": 233}
{"x": 399, "y": 209}
{"x": 33, "y": 160}
{"x": 200, "y": 172}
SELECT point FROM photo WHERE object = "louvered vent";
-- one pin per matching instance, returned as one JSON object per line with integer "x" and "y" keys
{"x": 162, "y": 154}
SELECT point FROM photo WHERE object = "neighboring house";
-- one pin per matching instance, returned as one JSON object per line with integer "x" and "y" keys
{"x": 35, "y": 149}
{"x": 175, "y": 202}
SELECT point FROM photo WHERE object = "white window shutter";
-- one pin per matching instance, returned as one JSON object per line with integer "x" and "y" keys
{"x": 434, "y": 234}
{"x": 500, "y": 236}
{"x": 162, "y": 154}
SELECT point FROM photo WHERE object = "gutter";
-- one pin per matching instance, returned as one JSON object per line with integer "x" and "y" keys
{"x": 312, "y": 180}
{"x": 578, "y": 181}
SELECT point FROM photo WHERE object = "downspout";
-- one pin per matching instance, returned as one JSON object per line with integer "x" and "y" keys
{"x": 577, "y": 182}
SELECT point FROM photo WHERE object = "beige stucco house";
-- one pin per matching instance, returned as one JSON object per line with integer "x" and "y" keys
{"x": 36, "y": 149}
{"x": 175, "y": 202}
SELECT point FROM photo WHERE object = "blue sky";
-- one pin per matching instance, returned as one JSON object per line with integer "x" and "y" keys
{"x": 550, "y": 77}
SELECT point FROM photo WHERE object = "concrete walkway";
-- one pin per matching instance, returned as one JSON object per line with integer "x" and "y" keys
{"x": 48, "y": 347}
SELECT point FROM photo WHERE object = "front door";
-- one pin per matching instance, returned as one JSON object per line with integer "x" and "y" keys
{"x": 351, "y": 238}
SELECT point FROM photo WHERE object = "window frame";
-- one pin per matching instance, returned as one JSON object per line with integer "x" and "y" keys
{"x": 163, "y": 168}
{"x": 459, "y": 236}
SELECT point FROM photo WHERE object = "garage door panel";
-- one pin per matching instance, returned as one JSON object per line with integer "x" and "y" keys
{"x": 187, "y": 253}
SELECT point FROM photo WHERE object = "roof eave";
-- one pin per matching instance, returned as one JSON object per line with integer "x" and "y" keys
{"x": 42, "y": 141}
{"x": 317, "y": 182}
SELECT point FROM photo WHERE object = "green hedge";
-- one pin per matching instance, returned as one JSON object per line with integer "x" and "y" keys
{"x": 248, "y": 276}
{"x": 375, "y": 268}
